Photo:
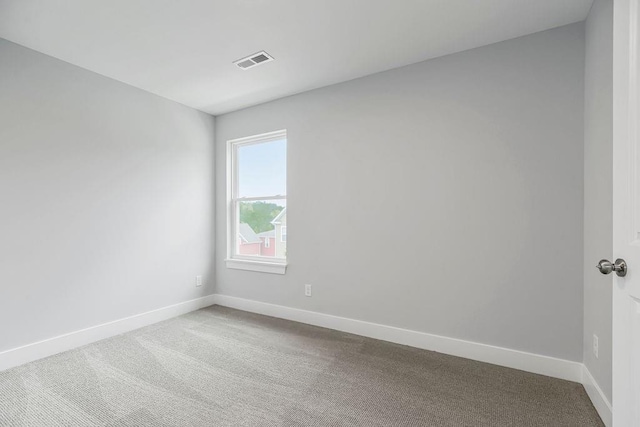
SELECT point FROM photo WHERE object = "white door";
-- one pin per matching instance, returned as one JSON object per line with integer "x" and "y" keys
{"x": 626, "y": 214}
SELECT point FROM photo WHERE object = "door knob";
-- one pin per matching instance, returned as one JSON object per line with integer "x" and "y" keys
{"x": 606, "y": 267}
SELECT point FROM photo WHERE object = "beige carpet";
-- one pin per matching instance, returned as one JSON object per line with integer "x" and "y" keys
{"x": 222, "y": 367}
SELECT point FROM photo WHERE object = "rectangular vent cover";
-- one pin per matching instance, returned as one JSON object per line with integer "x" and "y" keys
{"x": 253, "y": 60}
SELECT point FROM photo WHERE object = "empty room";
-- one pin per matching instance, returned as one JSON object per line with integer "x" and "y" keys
{"x": 461, "y": 179}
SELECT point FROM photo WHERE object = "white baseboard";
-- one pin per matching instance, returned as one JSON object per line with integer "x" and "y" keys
{"x": 600, "y": 401}
{"x": 544, "y": 365}
{"x": 38, "y": 350}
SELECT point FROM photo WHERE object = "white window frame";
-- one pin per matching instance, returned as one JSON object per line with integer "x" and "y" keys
{"x": 234, "y": 260}
{"x": 283, "y": 234}
{"x": 267, "y": 242}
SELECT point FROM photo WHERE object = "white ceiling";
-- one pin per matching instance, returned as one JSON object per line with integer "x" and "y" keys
{"x": 183, "y": 49}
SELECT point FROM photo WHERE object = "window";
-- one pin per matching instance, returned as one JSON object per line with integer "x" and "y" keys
{"x": 257, "y": 192}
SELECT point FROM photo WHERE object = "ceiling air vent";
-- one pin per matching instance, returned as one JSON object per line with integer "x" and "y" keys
{"x": 253, "y": 60}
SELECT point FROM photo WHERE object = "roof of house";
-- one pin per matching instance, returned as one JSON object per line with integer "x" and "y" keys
{"x": 270, "y": 233}
{"x": 278, "y": 218}
{"x": 247, "y": 234}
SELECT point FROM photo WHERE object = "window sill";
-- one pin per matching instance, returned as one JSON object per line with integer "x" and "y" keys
{"x": 263, "y": 267}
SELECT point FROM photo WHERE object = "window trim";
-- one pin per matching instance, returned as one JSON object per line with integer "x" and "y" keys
{"x": 252, "y": 265}
{"x": 283, "y": 234}
{"x": 233, "y": 260}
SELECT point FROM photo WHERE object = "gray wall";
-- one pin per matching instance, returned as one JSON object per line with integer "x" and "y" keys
{"x": 443, "y": 197}
{"x": 106, "y": 197}
{"x": 598, "y": 187}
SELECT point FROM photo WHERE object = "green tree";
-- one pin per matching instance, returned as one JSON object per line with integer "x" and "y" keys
{"x": 259, "y": 215}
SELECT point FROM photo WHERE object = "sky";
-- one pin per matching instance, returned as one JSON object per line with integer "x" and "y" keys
{"x": 262, "y": 169}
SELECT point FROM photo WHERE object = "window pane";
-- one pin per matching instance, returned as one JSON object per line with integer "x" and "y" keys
{"x": 260, "y": 225}
{"x": 262, "y": 169}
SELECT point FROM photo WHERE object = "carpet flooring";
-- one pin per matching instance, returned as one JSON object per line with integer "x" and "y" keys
{"x": 223, "y": 367}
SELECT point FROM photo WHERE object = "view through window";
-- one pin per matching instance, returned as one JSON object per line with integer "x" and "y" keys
{"x": 259, "y": 197}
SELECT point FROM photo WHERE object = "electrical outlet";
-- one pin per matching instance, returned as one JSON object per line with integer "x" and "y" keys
{"x": 198, "y": 281}
{"x": 595, "y": 345}
{"x": 307, "y": 290}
